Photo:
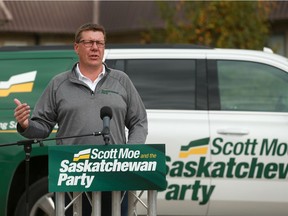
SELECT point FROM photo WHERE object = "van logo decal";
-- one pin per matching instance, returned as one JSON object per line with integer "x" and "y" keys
{"x": 18, "y": 83}
{"x": 196, "y": 147}
{"x": 82, "y": 155}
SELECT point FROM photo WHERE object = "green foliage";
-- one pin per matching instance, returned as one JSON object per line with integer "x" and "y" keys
{"x": 226, "y": 24}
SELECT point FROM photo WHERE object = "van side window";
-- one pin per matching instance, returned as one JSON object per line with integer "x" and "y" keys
{"x": 116, "y": 64}
{"x": 162, "y": 83}
{"x": 250, "y": 86}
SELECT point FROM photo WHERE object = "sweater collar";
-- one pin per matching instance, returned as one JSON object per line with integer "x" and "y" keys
{"x": 74, "y": 74}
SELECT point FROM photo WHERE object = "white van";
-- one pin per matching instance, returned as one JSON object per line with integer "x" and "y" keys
{"x": 223, "y": 115}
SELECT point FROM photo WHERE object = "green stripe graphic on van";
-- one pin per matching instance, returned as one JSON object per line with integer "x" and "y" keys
{"x": 195, "y": 147}
{"x": 18, "y": 83}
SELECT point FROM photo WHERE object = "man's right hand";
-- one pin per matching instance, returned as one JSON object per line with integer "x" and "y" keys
{"x": 22, "y": 113}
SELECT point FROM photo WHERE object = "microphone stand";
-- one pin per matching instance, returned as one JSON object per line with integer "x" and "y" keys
{"x": 27, "y": 144}
{"x": 106, "y": 136}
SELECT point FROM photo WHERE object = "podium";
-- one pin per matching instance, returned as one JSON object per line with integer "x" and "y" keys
{"x": 81, "y": 169}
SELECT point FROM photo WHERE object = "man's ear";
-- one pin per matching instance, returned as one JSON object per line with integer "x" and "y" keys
{"x": 76, "y": 46}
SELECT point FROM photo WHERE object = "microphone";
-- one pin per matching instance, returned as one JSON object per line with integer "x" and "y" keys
{"x": 106, "y": 116}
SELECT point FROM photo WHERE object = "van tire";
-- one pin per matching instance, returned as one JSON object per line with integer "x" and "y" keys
{"x": 37, "y": 191}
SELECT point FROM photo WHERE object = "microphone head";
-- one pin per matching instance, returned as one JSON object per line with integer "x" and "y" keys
{"x": 106, "y": 111}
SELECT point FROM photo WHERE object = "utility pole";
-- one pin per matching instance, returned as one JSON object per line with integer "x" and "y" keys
{"x": 7, "y": 15}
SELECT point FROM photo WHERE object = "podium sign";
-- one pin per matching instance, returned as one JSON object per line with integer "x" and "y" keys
{"x": 107, "y": 167}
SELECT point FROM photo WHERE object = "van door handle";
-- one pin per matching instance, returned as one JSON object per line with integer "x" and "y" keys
{"x": 233, "y": 131}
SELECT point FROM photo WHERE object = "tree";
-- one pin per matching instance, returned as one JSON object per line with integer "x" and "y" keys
{"x": 226, "y": 24}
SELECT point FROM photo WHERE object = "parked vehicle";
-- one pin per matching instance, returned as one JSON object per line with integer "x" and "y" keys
{"x": 222, "y": 113}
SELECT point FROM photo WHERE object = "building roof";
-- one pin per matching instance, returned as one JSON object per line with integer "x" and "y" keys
{"x": 66, "y": 16}
{"x": 44, "y": 16}
{"x": 47, "y": 16}
{"x": 129, "y": 15}
{"x": 280, "y": 11}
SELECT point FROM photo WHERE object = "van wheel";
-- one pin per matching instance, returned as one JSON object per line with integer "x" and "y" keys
{"x": 41, "y": 201}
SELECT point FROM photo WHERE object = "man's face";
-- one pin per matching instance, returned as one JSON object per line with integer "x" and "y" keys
{"x": 90, "y": 54}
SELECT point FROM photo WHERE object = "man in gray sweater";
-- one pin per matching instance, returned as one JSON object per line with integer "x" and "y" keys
{"x": 73, "y": 99}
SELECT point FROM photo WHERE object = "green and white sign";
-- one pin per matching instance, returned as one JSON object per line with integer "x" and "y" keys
{"x": 107, "y": 167}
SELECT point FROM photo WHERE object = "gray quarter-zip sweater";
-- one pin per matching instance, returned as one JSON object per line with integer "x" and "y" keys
{"x": 71, "y": 104}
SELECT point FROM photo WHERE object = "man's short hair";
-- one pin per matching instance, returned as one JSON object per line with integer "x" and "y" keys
{"x": 88, "y": 27}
